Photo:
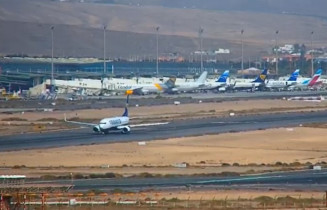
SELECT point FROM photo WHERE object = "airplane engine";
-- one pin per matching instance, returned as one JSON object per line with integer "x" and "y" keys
{"x": 96, "y": 129}
{"x": 126, "y": 129}
{"x": 222, "y": 89}
{"x": 145, "y": 92}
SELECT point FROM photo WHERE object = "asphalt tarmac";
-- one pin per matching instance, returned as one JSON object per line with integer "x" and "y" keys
{"x": 100, "y": 102}
{"x": 300, "y": 180}
{"x": 180, "y": 128}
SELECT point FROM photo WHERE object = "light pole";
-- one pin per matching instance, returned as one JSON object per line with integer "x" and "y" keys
{"x": 201, "y": 51}
{"x": 242, "y": 65}
{"x": 312, "y": 71}
{"x": 104, "y": 50}
{"x": 157, "y": 36}
{"x": 52, "y": 67}
{"x": 277, "y": 32}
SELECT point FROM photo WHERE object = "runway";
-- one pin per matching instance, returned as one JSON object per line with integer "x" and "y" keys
{"x": 301, "y": 180}
{"x": 180, "y": 128}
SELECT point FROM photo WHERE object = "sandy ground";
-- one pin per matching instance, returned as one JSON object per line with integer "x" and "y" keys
{"x": 265, "y": 146}
{"x": 222, "y": 195}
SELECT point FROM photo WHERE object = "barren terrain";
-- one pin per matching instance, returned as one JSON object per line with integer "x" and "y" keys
{"x": 78, "y": 28}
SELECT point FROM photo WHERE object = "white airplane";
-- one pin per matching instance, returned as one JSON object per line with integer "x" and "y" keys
{"x": 188, "y": 86}
{"x": 142, "y": 89}
{"x": 219, "y": 84}
{"x": 274, "y": 84}
{"x": 119, "y": 123}
{"x": 310, "y": 83}
{"x": 254, "y": 85}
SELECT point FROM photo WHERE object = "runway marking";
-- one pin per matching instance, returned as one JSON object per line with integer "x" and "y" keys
{"x": 233, "y": 122}
{"x": 148, "y": 124}
{"x": 239, "y": 179}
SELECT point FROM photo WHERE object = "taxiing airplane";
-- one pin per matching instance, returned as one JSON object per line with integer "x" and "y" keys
{"x": 219, "y": 84}
{"x": 254, "y": 85}
{"x": 119, "y": 123}
{"x": 275, "y": 84}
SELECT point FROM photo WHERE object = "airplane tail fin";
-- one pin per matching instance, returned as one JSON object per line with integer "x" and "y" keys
{"x": 202, "y": 77}
{"x": 262, "y": 77}
{"x": 223, "y": 77}
{"x": 315, "y": 77}
{"x": 318, "y": 72}
{"x": 171, "y": 82}
{"x": 294, "y": 76}
{"x": 125, "y": 114}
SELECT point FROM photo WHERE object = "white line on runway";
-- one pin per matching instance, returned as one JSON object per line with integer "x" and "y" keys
{"x": 239, "y": 179}
{"x": 234, "y": 122}
{"x": 148, "y": 124}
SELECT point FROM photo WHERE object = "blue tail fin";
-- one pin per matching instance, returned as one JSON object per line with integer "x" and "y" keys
{"x": 125, "y": 114}
{"x": 262, "y": 77}
{"x": 223, "y": 77}
{"x": 318, "y": 72}
{"x": 294, "y": 76}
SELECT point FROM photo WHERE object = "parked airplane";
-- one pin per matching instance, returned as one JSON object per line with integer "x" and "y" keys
{"x": 254, "y": 85}
{"x": 189, "y": 86}
{"x": 309, "y": 83}
{"x": 142, "y": 89}
{"x": 275, "y": 84}
{"x": 219, "y": 84}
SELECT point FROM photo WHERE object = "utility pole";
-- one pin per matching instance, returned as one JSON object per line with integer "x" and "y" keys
{"x": 201, "y": 50}
{"x": 277, "y": 32}
{"x": 312, "y": 70}
{"x": 104, "y": 50}
{"x": 52, "y": 66}
{"x": 157, "y": 36}
{"x": 242, "y": 64}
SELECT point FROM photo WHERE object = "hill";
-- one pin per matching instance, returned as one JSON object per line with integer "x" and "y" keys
{"x": 78, "y": 26}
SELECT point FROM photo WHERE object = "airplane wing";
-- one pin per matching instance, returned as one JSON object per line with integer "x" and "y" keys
{"x": 80, "y": 123}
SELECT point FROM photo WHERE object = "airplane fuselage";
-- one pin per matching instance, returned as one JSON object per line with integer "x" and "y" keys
{"x": 114, "y": 123}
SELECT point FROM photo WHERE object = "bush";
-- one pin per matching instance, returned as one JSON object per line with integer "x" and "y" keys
{"x": 228, "y": 173}
{"x": 110, "y": 175}
{"x": 13, "y": 119}
{"x": 278, "y": 163}
{"x": 236, "y": 164}
{"x": 146, "y": 175}
{"x": 264, "y": 200}
{"x": 225, "y": 164}
{"x": 173, "y": 200}
{"x": 47, "y": 119}
{"x": 78, "y": 176}
{"x": 18, "y": 166}
{"x": 295, "y": 164}
{"x": 48, "y": 177}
